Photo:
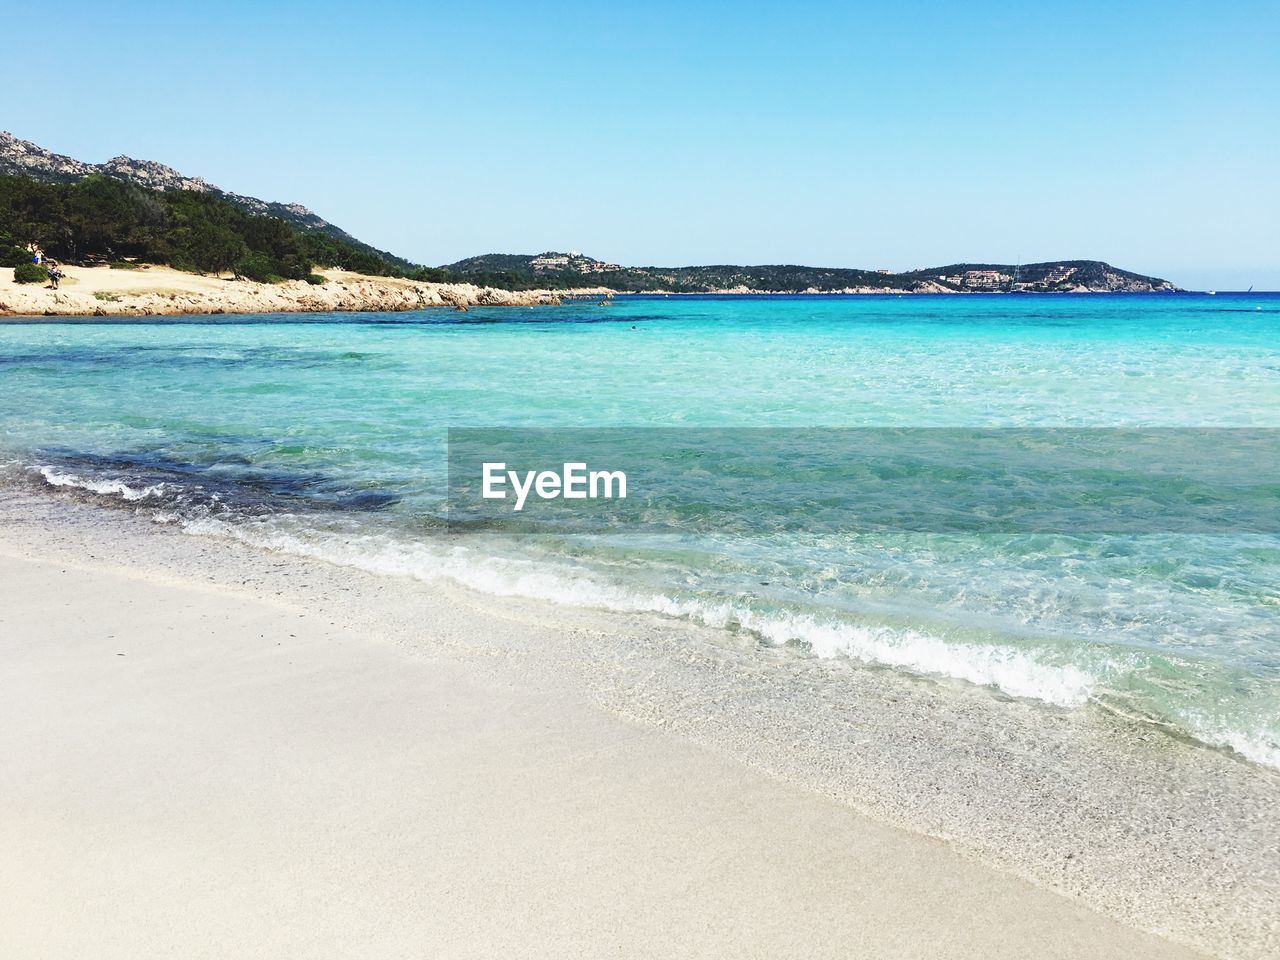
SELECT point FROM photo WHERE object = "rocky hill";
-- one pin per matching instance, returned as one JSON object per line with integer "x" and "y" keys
{"x": 24, "y": 158}
{"x": 567, "y": 270}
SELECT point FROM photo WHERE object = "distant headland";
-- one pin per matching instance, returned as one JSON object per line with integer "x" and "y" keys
{"x": 566, "y": 270}
{"x": 128, "y": 214}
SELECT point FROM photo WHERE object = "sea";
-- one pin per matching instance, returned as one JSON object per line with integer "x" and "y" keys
{"x": 329, "y": 436}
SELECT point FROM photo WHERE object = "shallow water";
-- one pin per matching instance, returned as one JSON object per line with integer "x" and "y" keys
{"x": 326, "y": 436}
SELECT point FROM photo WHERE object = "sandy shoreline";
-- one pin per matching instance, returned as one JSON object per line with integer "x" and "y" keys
{"x": 323, "y": 760}
{"x": 193, "y": 769}
{"x": 162, "y": 291}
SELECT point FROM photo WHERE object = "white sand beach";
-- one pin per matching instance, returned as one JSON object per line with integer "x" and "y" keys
{"x": 212, "y": 766}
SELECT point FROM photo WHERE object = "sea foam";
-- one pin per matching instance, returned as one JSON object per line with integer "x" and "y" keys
{"x": 103, "y": 487}
{"x": 1015, "y": 672}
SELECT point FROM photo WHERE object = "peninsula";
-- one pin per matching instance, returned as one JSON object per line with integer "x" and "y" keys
{"x": 137, "y": 238}
{"x": 568, "y": 270}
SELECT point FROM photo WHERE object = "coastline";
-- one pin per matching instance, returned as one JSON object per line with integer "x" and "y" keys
{"x": 1170, "y": 838}
{"x": 156, "y": 291}
{"x": 162, "y": 291}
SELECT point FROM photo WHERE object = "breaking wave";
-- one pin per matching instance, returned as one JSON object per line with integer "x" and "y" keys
{"x": 1040, "y": 674}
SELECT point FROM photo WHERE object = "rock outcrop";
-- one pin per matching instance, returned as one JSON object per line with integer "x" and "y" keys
{"x": 159, "y": 291}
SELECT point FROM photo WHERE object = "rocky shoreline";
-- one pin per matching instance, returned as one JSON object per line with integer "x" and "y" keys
{"x": 159, "y": 291}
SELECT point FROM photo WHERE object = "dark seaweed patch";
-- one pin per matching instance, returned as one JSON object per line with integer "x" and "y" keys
{"x": 229, "y": 483}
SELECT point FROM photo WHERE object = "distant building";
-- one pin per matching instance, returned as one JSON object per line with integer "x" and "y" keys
{"x": 1059, "y": 274}
{"x": 883, "y": 270}
{"x": 550, "y": 262}
{"x": 985, "y": 279}
{"x": 571, "y": 261}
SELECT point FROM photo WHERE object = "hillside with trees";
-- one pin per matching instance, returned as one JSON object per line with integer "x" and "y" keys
{"x": 104, "y": 219}
{"x": 562, "y": 271}
{"x": 22, "y": 158}
{"x": 142, "y": 211}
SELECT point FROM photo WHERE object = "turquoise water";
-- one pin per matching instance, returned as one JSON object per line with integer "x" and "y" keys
{"x": 326, "y": 437}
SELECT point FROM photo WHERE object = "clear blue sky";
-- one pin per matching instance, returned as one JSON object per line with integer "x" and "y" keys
{"x": 882, "y": 135}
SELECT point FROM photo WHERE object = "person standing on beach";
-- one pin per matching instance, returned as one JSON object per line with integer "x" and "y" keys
{"x": 54, "y": 274}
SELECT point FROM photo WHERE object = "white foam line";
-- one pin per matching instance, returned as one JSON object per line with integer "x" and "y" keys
{"x": 116, "y": 488}
{"x": 1015, "y": 672}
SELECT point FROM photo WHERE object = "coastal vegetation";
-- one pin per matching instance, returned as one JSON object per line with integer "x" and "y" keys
{"x": 565, "y": 271}
{"x": 128, "y": 210}
{"x": 104, "y": 218}
{"x": 100, "y": 219}
{"x": 30, "y": 273}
